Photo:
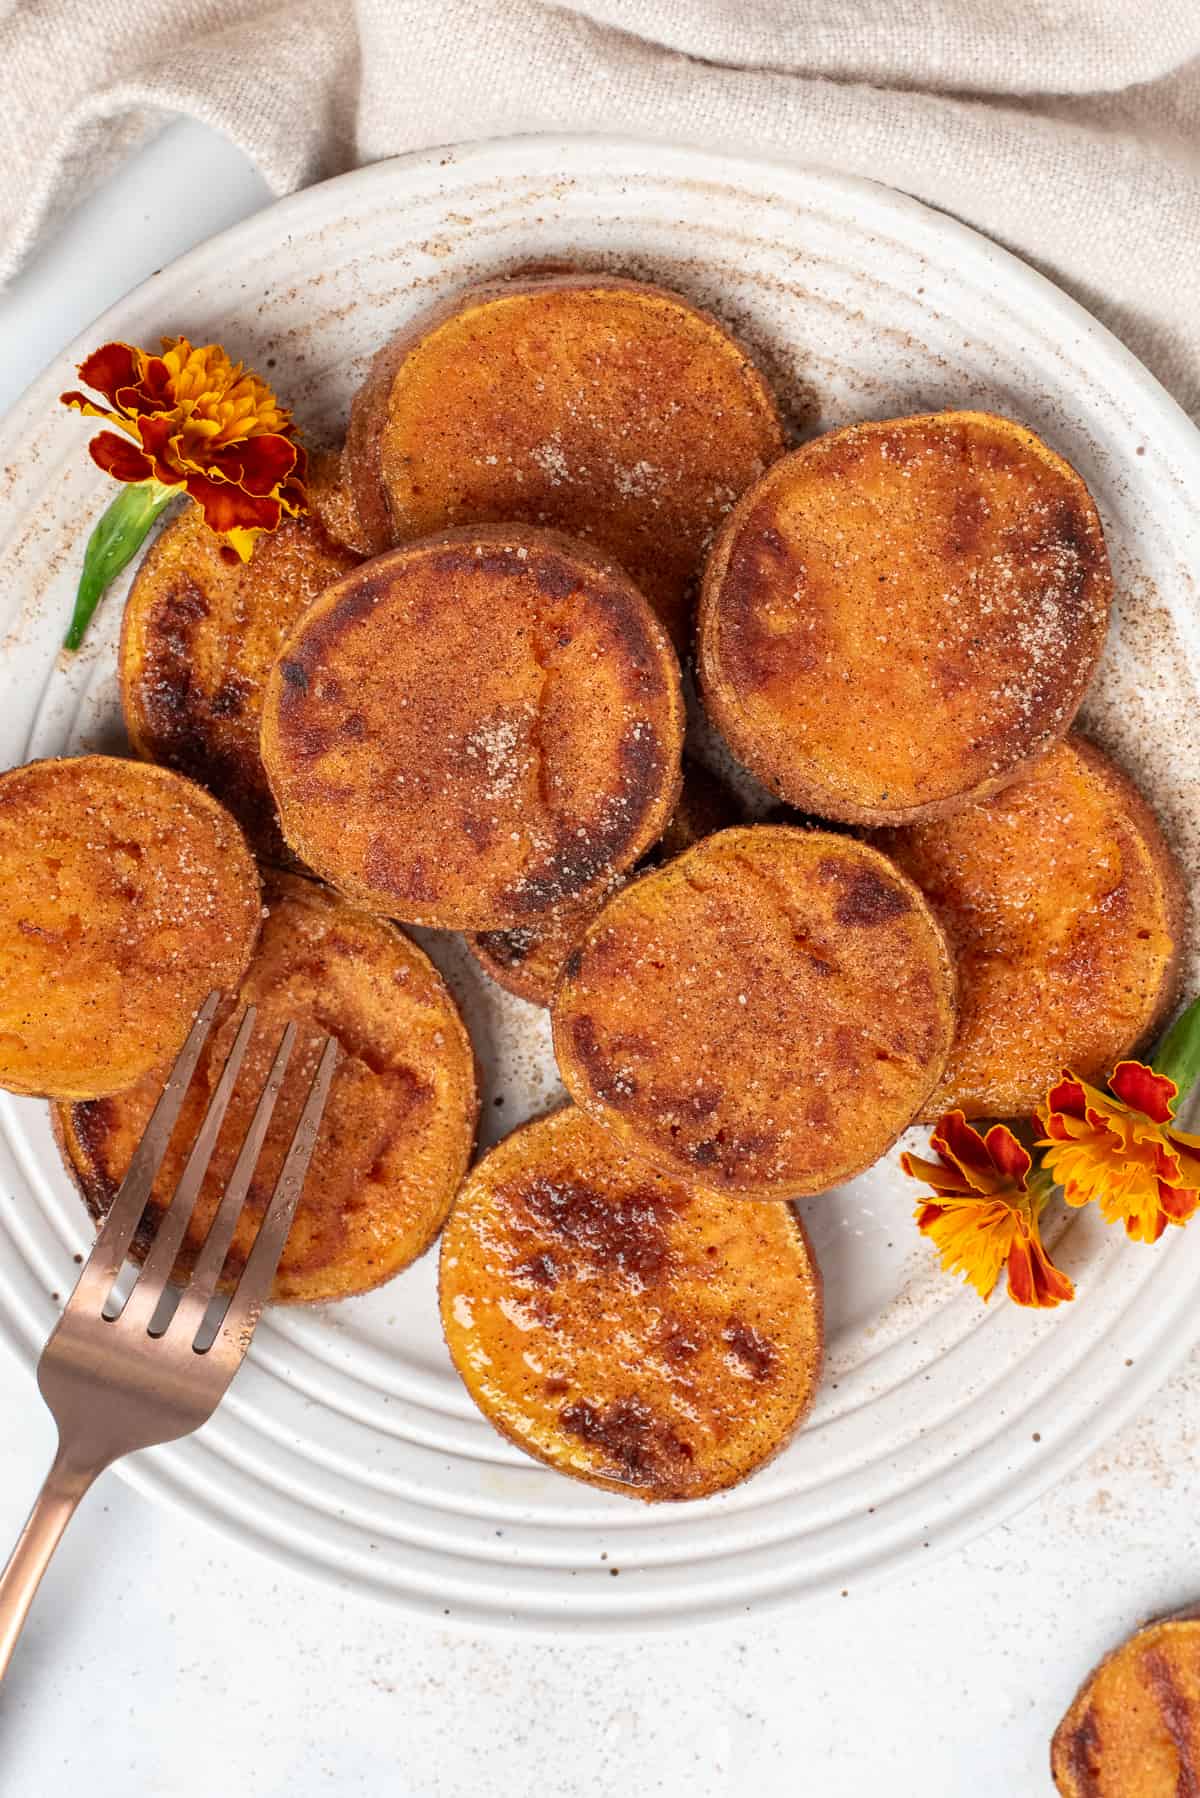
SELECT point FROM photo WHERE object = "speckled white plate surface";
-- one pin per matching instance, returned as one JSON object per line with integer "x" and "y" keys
{"x": 348, "y": 1446}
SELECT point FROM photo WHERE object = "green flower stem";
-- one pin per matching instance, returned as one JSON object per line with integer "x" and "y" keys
{"x": 1178, "y": 1054}
{"x": 1039, "y": 1184}
{"x": 116, "y": 539}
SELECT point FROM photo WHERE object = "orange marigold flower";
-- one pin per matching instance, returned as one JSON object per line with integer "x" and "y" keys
{"x": 200, "y": 422}
{"x": 1121, "y": 1149}
{"x": 985, "y": 1216}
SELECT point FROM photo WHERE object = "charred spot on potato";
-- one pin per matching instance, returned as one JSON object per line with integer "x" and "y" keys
{"x": 556, "y": 580}
{"x": 865, "y": 898}
{"x": 756, "y": 1352}
{"x": 230, "y": 698}
{"x": 508, "y": 947}
{"x": 634, "y": 1444}
{"x": 679, "y": 1339}
{"x": 93, "y": 1122}
{"x": 541, "y": 1269}
{"x": 1083, "y": 1752}
{"x": 627, "y": 1235}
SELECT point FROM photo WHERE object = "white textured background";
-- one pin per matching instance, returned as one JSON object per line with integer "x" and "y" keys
{"x": 164, "y": 1662}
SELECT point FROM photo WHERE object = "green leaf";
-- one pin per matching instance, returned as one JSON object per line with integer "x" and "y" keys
{"x": 1178, "y": 1054}
{"x": 115, "y": 540}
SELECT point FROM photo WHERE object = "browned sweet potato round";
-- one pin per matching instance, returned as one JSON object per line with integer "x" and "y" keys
{"x": 631, "y": 1329}
{"x": 201, "y": 633}
{"x": 766, "y": 1013}
{"x": 126, "y": 895}
{"x": 398, "y": 1127}
{"x": 1134, "y": 1728}
{"x": 901, "y": 615}
{"x": 473, "y": 730}
{"x": 602, "y": 407}
{"x": 1065, "y": 909}
{"x": 528, "y": 961}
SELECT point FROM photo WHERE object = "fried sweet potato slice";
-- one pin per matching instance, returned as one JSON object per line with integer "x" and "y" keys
{"x": 474, "y": 730}
{"x": 398, "y": 1128}
{"x": 901, "y": 615}
{"x": 766, "y": 1013}
{"x": 1065, "y": 909}
{"x": 528, "y": 961}
{"x": 1133, "y": 1730}
{"x": 606, "y": 408}
{"x": 201, "y": 633}
{"x": 631, "y": 1329}
{"x": 126, "y": 895}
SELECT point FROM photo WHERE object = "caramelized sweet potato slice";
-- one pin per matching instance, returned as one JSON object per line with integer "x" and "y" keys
{"x": 630, "y": 1329}
{"x": 606, "y": 408}
{"x": 126, "y": 895}
{"x": 201, "y": 633}
{"x": 398, "y": 1127}
{"x": 528, "y": 961}
{"x": 901, "y": 615}
{"x": 1065, "y": 909}
{"x": 474, "y": 730}
{"x": 766, "y": 1013}
{"x": 1133, "y": 1730}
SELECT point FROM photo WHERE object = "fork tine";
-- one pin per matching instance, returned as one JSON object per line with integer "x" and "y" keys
{"x": 172, "y": 1227}
{"x": 198, "y": 1293}
{"x": 117, "y": 1232}
{"x": 254, "y": 1287}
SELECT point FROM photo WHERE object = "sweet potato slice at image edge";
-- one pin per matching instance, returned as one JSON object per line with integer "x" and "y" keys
{"x": 126, "y": 895}
{"x": 1133, "y": 1729}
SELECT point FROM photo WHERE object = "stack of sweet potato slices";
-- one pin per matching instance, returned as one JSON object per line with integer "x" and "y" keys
{"x": 453, "y": 697}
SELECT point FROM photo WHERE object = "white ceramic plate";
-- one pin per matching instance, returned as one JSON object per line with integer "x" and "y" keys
{"x": 348, "y": 1446}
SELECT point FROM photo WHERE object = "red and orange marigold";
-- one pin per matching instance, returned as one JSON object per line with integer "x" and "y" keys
{"x": 1121, "y": 1148}
{"x": 200, "y": 422}
{"x": 984, "y": 1214}
{"x": 187, "y": 421}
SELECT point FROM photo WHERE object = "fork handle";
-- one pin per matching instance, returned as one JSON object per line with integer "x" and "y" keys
{"x": 53, "y": 1509}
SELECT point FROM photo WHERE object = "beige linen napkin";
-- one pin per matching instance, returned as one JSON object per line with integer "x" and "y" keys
{"x": 1067, "y": 129}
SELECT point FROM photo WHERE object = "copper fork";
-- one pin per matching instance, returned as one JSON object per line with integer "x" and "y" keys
{"x": 120, "y": 1380}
